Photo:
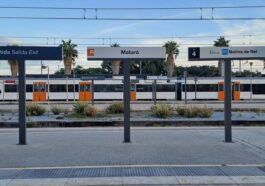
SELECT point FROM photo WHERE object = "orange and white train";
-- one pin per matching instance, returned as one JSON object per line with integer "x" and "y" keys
{"x": 41, "y": 89}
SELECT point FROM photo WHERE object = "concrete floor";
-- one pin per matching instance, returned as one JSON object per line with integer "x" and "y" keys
{"x": 59, "y": 147}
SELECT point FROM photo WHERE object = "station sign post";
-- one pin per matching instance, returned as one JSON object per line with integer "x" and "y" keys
{"x": 227, "y": 54}
{"x": 126, "y": 54}
{"x": 22, "y": 53}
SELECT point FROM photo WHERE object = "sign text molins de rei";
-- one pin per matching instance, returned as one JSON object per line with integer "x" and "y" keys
{"x": 126, "y": 53}
{"x": 216, "y": 53}
{"x": 30, "y": 53}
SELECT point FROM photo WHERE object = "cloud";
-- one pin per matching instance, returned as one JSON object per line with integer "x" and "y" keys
{"x": 8, "y": 41}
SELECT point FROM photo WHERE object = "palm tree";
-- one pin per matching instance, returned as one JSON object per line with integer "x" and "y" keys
{"x": 172, "y": 52}
{"x": 221, "y": 42}
{"x": 13, "y": 67}
{"x": 69, "y": 55}
{"x": 116, "y": 63}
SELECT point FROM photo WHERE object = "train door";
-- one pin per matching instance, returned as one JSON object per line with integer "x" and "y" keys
{"x": 39, "y": 91}
{"x": 236, "y": 91}
{"x": 221, "y": 94}
{"x": 133, "y": 92}
{"x": 85, "y": 93}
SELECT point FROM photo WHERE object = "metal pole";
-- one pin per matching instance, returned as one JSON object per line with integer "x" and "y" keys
{"x": 185, "y": 76}
{"x": 22, "y": 103}
{"x": 3, "y": 91}
{"x": 251, "y": 88}
{"x": 154, "y": 91}
{"x": 228, "y": 101}
{"x": 140, "y": 67}
{"x": 67, "y": 89}
{"x": 176, "y": 91}
{"x": 195, "y": 88}
{"x": 48, "y": 84}
{"x": 126, "y": 101}
{"x": 92, "y": 90}
{"x": 74, "y": 79}
{"x": 41, "y": 66}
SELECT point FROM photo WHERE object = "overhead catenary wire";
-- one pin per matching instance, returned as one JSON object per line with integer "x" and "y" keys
{"x": 84, "y": 16}
{"x": 132, "y": 8}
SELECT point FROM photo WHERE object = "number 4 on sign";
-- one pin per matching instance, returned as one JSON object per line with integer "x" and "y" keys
{"x": 194, "y": 53}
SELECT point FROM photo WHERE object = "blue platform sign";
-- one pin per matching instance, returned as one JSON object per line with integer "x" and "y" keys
{"x": 30, "y": 53}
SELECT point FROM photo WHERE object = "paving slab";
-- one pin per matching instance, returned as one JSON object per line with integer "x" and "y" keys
{"x": 150, "y": 146}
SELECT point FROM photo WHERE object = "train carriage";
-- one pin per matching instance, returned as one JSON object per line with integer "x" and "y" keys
{"x": 66, "y": 89}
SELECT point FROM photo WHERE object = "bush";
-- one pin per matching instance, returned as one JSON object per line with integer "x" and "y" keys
{"x": 181, "y": 110}
{"x": 79, "y": 107}
{"x": 162, "y": 110}
{"x": 56, "y": 110}
{"x": 90, "y": 111}
{"x": 115, "y": 108}
{"x": 206, "y": 112}
{"x": 33, "y": 109}
{"x": 192, "y": 111}
{"x": 66, "y": 111}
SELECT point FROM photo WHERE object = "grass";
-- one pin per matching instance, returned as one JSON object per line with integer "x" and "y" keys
{"x": 33, "y": 109}
{"x": 162, "y": 110}
{"x": 90, "y": 111}
{"x": 115, "y": 108}
{"x": 192, "y": 111}
{"x": 79, "y": 107}
{"x": 56, "y": 110}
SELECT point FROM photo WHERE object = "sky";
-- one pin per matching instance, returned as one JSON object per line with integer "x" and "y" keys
{"x": 147, "y": 33}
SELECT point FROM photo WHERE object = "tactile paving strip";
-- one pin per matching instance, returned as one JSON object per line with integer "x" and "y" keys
{"x": 130, "y": 171}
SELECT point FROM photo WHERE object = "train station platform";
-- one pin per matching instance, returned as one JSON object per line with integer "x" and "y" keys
{"x": 155, "y": 156}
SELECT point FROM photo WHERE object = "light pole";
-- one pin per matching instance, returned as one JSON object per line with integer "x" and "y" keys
{"x": 251, "y": 63}
{"x": 195, "y": 88}
{"x": 140, "y": 67}
{"x": 74, "y": 78}
{"x": 41, "y": 66}
{"x": 48, "y": 90}
{"x": 185, "y": 76}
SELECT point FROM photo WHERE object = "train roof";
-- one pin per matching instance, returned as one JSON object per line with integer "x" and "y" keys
{"x": 110, "y": 77}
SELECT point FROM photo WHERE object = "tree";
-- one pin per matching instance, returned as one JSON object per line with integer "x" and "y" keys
{"x": 247, "y": 73}
{"x": 106, "y": 67}
{"x": 116, "y": 63}
{"x": 13, "y": 67}
{"x": 198, "y": 71}
{"x": 221, "y": 42}
{"x": 69, "y": 55}
{"x": 172, "y": 52}
{"x": 80, "y": 70}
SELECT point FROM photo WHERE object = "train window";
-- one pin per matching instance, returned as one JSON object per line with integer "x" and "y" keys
{"x": 29, "y": 88}
{"x": 258, "y": 88}
{"x": 133, "y": 87}
{"x": 42, "y": 87}
{"x": 191, "y": 88}
{"x": 100, "y": 88}
{"x": 143, "y": 88}
{"x": 207, "y": 88}
{"x": 85, "y": 88}
{"x": 114, "y": 88}
{"x": 36, "y": 87}
{"x": 221, "y": 87}
{"x": 71, "y": 88}
{"x": 10, "y": 88}
{"x": 245, "y": 87}
{"x": 236, "y": 87}
{"x": 165, "y": 88}
{"x": 57, "y": 88}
